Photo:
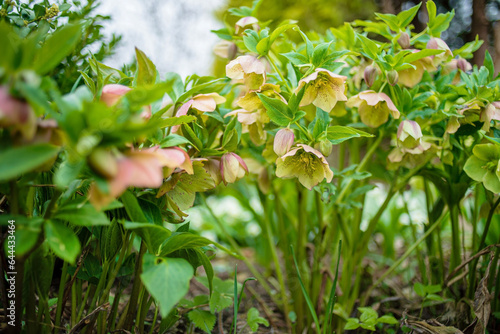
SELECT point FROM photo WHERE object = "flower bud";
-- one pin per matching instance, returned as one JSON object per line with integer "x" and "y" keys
{"x": 404, "y": 40}
{"x": 283, "y": 141}
{"x": 226, "y": 49}
{"x": 409, "y": 134}
{"x": 103, "y": 163}
{"x": 212, "y": 166}
{"x": 112, "y": 93}
{"x": 392, "y": 77}
{"x": 370, "y": 75}
{"x": 463, "y": 65}
{"x": 248, "y": 22}
{"x": 232, "y": 168}
{"x": 325, "y": 147}
{"x": 263, "y": 181}
{"x": 17, "y": 115}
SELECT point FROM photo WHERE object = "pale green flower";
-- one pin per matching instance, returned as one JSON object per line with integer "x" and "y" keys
{"x": 306, "y": 164}
{"x": 484, "y": 166}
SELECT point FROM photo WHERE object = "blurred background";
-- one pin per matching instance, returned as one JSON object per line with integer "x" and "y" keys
{"x": 176, "y": 34}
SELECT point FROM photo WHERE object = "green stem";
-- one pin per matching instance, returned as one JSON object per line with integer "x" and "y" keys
{"x": 361, "y": 166}
{"x": 300, "y": 308}
{"x": 274, "y": 254}
{"x": 237, "y": 249}
{"x": 401, "y": 259}
{"x": 154, "y": 320}
{"x": 455, "y": 238}
{"x": 60, "y": 294}
{"x": 276, "y": 69}
{"x": 136, "y": 288}
{"x": 481, "y": 246}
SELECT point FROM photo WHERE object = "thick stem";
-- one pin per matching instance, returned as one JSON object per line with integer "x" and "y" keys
{"x": 136, "y": 288}
{"x": 60, "y": 298}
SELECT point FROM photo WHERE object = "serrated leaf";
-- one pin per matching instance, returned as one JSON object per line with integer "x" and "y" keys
{"x": 277, "y": 110}
{"x": 82, "y": 215}
{"x": 406, "y": 17}
{"x": 204, "y": 320}
{"x": 254, "y": 319}
{"x": 338, "y": 133}
{"x": 146, "y": 70}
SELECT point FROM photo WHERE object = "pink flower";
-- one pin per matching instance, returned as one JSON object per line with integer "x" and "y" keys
{"x": 16, "y": 115}
{"x": 201, "y": 102}
{"x": 248, "y": 22}
{"x": 112, "y": 93}
{"x": 232, "y": 168}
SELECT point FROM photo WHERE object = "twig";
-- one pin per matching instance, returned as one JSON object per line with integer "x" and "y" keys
{"x": 88, "y": 318}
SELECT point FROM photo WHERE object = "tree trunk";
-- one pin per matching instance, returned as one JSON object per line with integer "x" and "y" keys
{"x": 479, "y": 28}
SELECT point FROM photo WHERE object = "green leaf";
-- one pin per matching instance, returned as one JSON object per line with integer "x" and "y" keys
{"x": 279, "y": 31}
{"x": 368, "y": 315}
{"x": 352, "y": 323}
{"x": 419, "y": 289}
{"x": 431, "y": 10}
{"x": 320, "y": 52}
{"x": 153, "y": 235}
{"x": 172, "y": 121}
{"x": 146, "y": 70}
{"x": 410, "y": 58}
{"x": 204, "y": 320}
{"x": 405, "y": 17}
{"x": 338, "y": 133}
{"x": 56, "y": 48}
{"x": 62, "y": 241}
{"x": 132, "y": 207}
{"x": 254, "y": 319}
{"x": 27, "y": 231}
{"x": 369, "y": 46}
{"x": 488, "y": 63}
{"x": 183, "y": 240}
{"x": 20, "y": 160}
{"x": 82, "y": 215}
{"x": 296, "y": 58}
{"x": 166, "y": 279}
{"x": 175, "y": 85}
{"x": 387, "y": 319}
{"x": 389, "y": 19}
{"x": 277, "y": 110}
{"x": 173, "y": 140}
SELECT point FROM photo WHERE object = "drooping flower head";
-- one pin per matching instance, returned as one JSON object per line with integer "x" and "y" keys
{"x": 484, "y": 166}
{"x": 112, "y": 93}
{"x": 253, "y": 114}
{"x": 456, "y": 64}
{"x": 283, "y": 141}
{"x": 489, "y": 113}
{"x": 323, "y": 89}
{"x": 247, "y": 22}
{"x": 411, "y": 77}
{"x": 374, "y": 108}
{"x": 225, "y": 49}
{"x": 438, "y": 44}
{"x": 306, "y": 164}
{"x": 249, "y": 69}
{"x": 202, "y": 103}
{"x": 232, "y": 168}
{"x": 16, "y": 115}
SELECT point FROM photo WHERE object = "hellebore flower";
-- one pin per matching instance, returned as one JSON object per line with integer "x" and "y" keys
{"x": 225, "y": 49}
{"x": 456, "y": 64}
{"x": 232, "y": 168}
{"x": 112, "y": 93}
{"x": 484, "y": 166}
{"x": 201, "y": 102}
{"x": 249, "y": 69}
{"x": 305, "y": 163}
{"x": 370, "y": 75}
{"x": 411, "y": 77}
{"x": 143, "y": 169}
{"x": 248, "y": 22}
{"x": 254, "y": 115}
{"x": 410, "y": 147}
{"x": 16, "y": 115}
{"x": 283, "y": 141}
{"x": 489, "y": 113}
{"x": 404, "y": 40}
{"x": 324, "y": 89}
{"x": 374, "y": 108}
{"x": 439, "y": 44}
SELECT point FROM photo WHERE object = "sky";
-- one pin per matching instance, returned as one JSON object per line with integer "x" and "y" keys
{"x": 175, "y": 34}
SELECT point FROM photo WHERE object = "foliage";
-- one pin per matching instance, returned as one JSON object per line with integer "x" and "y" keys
{"x": 102, "y": 176}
